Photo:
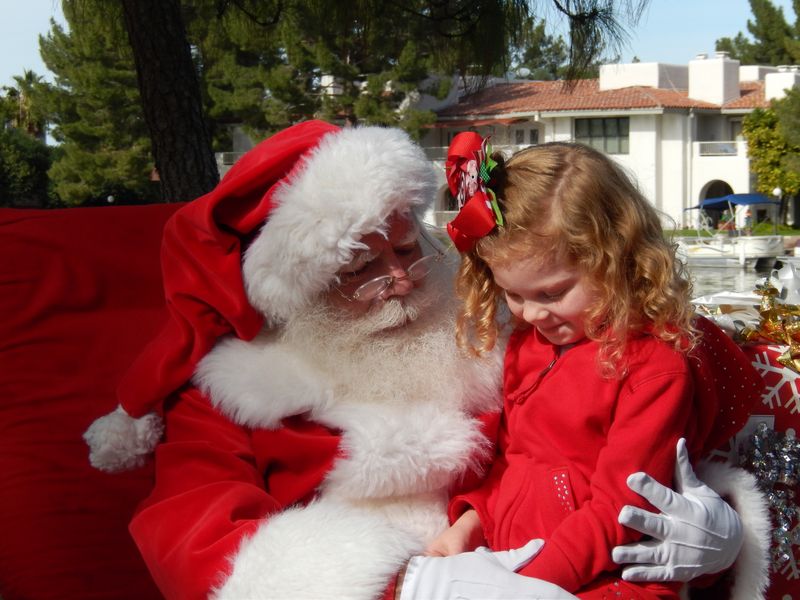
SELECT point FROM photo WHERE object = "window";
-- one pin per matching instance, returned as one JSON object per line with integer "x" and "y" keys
{"x": 607, "y": 135}
{"x": 534, "y": 137}
{"x": 519, "y": 137}
{"x": 736, "y": 130}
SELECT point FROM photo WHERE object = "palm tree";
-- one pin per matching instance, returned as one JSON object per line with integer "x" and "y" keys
{"x": 28, "y": 118}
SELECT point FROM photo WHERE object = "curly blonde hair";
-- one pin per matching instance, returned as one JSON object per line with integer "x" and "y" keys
{"x": 569, "y": 200}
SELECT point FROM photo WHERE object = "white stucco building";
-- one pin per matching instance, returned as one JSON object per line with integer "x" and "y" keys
{"x": 675, "y": 128}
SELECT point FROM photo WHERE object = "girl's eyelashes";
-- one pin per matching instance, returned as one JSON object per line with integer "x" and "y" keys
{"x": 545, "y": 296}
{"x": 554, "y": 295}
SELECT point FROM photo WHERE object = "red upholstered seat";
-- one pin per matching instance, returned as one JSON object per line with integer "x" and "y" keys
{"x": 80, "y": 294}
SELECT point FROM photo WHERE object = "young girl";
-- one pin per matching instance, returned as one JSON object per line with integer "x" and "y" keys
{"x": 598, "y": 380}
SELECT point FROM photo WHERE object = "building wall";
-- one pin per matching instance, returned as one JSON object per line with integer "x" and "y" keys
{"x": 733, "y": 169}
{"x": 657, "y": 161}
{"x": 641, "y": 161}
{"x": 673, "y": 181}
{"x": 560, "y": 129}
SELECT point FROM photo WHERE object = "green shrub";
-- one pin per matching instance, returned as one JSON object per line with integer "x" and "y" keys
{"x": 24, "y": 162}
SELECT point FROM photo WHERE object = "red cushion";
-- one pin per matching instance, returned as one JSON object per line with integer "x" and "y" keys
{"x": 80, "y": 294}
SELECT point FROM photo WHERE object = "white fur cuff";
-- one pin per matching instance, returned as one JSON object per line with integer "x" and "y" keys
{"x": 324, "y": 550}
{"x": 258, "y": 383}
{"x": 739, "y": 488}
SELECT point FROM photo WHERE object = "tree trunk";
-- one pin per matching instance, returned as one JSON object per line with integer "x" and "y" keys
{"x": 171, "y": 99}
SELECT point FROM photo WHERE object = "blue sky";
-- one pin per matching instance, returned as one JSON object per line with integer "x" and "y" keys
{"x": 675, "y": 31}
{"x": 672, "y": 31}
{"x": 20, "y": 26}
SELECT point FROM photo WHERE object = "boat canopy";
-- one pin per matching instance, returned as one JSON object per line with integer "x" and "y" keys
{"x": 725, "y": 201}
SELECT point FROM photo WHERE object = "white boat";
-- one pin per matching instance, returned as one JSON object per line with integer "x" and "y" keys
{"x": 734, "y": 251}
{"x": 732, "y": 247}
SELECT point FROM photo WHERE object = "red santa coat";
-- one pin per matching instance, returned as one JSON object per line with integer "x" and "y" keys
{"x": 286, "y": 484}
{"x": 569, "y": 439}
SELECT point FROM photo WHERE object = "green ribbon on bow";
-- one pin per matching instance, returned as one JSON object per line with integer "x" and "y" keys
{"x": 485, "y": 171}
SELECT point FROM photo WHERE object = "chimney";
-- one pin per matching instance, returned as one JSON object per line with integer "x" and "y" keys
{"x": 715, "y": 79}
{"x": 776, "y": 84}
{"x": 652, "y": 74}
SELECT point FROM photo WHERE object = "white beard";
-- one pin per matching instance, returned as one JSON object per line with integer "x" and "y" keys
{"x": 401, "y": 351}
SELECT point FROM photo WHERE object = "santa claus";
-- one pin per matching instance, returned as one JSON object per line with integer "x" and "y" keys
{"x": 316, "y": 413}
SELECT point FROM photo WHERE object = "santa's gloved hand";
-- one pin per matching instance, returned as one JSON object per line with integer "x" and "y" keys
{"x": 480, "y": 574}
{"x": 697, "y": 532}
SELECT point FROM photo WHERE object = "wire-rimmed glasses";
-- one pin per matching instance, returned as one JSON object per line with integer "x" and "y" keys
{"x": 368, "y": 291}
{"x": 416, "y": 271}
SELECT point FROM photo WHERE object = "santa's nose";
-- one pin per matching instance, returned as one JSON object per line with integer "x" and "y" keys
{"x": 401, "y": 283}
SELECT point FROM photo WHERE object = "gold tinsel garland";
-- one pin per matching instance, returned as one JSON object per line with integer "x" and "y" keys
{"x": 779, "y": 324}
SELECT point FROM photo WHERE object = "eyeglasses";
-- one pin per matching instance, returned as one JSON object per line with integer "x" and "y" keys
{"x": 367, "y": 292}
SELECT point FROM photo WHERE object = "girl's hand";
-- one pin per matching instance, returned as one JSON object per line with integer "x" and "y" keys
{"x": 462, "y": 536}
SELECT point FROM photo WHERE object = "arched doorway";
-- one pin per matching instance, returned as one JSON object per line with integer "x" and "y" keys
{"x": 714, "y": 189}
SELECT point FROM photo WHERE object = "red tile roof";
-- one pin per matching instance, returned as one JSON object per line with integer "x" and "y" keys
{"x": 553, "y": 96}
{"x": 752, "y": 96}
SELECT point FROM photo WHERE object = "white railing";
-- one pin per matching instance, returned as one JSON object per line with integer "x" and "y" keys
{"x": 732, "y": 148}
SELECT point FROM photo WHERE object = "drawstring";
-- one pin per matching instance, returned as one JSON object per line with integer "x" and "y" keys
{"x": 520, "y": 397}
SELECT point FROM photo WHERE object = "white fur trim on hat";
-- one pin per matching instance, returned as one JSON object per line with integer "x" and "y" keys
{"x": 345, "y": 188}
{"x": 118, "y": 442}
{"x": 740, "y": 490}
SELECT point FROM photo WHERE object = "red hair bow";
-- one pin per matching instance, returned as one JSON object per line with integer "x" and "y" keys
{"x": 468, "y": 170}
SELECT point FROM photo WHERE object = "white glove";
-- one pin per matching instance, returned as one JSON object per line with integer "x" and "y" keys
{"x": 696, "y": 533}
{"x": 481, "y": 574}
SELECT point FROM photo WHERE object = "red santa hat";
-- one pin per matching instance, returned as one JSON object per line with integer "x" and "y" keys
{"x": 305, "y": 197}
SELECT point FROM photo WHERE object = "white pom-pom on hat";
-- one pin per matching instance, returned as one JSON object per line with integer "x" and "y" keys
{"x": 118, "y": 442}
